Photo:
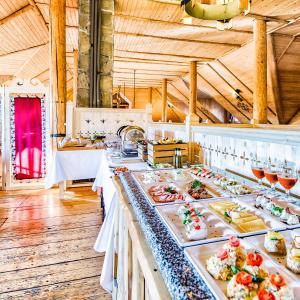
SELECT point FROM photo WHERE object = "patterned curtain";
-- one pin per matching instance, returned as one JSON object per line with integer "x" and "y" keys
{"x": 28, "y": 163}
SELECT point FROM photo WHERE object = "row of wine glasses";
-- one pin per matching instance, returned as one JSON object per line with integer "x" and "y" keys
{"x": 287, "y": 174}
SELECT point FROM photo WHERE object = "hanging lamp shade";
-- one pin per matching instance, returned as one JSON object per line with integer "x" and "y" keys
{"x": 217, "y": 10}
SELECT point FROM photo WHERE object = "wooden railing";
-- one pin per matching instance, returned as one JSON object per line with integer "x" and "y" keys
{"x": 135, "y": 272}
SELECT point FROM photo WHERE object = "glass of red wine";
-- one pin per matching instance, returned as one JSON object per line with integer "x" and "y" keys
{"x": 258, "y": 170}
{"x": 288, "y": 177}
{"x": 271, "y": 174}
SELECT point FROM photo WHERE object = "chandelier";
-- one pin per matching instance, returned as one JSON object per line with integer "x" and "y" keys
{"x": 222, "y": 11}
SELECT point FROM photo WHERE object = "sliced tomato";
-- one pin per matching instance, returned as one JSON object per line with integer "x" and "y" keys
{"x": 243, "y": 278}
{"x": 265, "y": 295}
{"x": 234, "y": 241}
{"x": 222, "y": 254}
{"x": 277, "y": 280}
{"x": 254, "y": 259}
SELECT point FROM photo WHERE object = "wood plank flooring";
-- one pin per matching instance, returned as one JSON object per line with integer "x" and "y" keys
{"x": 46, "y": 245}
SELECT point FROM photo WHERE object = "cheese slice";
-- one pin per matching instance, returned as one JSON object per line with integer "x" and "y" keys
{"x": 251, "y": 226}
{"x": 245, "y": 219}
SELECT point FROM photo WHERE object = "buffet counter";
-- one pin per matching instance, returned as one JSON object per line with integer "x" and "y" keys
{"x": 180, "y": 278}
{"x": 158, "y": 255}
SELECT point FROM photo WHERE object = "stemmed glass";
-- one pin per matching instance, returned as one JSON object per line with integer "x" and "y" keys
{"x": 288, "y": 176}
{"x": 258, "y": 167}
{"x": 271, "y": 174}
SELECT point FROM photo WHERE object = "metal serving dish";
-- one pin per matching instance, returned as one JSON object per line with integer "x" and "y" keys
{"x": 217, "y": 230}
{"x": 198, "y": 256}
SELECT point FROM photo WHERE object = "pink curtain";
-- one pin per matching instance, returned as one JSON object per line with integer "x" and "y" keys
{"x": 28, "y": 136}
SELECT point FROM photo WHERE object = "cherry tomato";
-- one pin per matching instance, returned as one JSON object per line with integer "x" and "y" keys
{"x": 197, "y": 227}
{"x": 234, "y": 241}
{"x": 277, "y": 280}
{"x": 254, "y": 259}
{"x": 222, "y": 254}
{"x": 265, "y": 295}
{"x": 243, "y": 278}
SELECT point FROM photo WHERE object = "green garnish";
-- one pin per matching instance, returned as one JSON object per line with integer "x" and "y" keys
{"x": 196, "y": 184}
{"x": 235, "y": 269}
{"x": 257, "y": 279}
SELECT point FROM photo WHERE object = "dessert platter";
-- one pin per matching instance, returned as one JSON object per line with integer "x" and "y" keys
{"x": 193, "y": 224}
{"x": 283, "y": 248}
{"x": 242, "y": 217}
{"x": 237, "y": 270}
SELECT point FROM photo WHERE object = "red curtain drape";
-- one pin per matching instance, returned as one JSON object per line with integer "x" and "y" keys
{"x": 28, "y": 137}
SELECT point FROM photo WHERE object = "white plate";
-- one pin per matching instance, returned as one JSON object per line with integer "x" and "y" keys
{"x": 198, "y": 256}
{"x": 270, "y": 221}
{"x": 258, "y": 242}
{"x": 217, "y": 229}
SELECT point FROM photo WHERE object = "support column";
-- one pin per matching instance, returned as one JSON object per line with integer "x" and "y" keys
{"x": 58, "y": 80}
{"x": 260, "y": 103}
{"x": 193, "y": 88}
{"x": 75, "y": 76}
{"x": 164, "y": 111}
{"x": 150, "y": 95}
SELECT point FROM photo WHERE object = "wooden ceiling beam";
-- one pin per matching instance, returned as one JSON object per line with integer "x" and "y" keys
{"x": 295, "y": 120}
{"x": 16, "y": 14}
{"x": 286, "y": 49}
{"x": 169, "y": 54}
{"x": 182, "y": 40}
{"x": 267, "y": 18}
{"x": 39, "y": 15}
{"x": 25, "y": 49}
{"x": 169, "y": 62}
{"x": 154, "y": 70}
{"x": 179, "y": 24}
{"x": 201, "y": 110}
{"x": 226, "y": 103}
{"x": 138, "y": 73}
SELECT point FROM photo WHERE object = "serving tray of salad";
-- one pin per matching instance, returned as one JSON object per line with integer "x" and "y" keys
{"x": 282, "y": 247}
{"x": 193, "y": 224}
{"x": 236, "y": 270}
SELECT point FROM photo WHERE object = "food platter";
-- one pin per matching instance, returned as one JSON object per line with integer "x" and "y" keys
{"x": 276, "y": 207}
{"x": 147, "y": 180}
{"x": 198, "y": 255}
{"x": 216, "y": 229}
{"x": 280, "y": 260}
{"x": 248, "y": 226}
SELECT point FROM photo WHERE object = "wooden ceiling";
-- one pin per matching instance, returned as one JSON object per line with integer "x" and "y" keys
{"x": 151, "y": 41}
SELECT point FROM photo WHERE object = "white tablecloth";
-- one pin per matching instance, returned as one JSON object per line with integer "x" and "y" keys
{"x": 74, "y": 165}
{"x": 105, "y": 239}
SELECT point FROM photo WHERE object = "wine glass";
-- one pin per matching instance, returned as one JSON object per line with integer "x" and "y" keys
{"x": 288, "y": 176}
{"x": 258, "y": 167}
{"x": 271, "y": 174}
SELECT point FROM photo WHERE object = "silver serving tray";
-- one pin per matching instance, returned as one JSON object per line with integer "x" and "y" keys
{"x": 198, "y": 256}
{"x": 258, "y": 242}
{"x": 270, "y": 221}
{"x": 217, "y": 229}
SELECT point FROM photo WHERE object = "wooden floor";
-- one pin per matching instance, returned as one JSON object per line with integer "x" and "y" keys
{"x": 46, "y": 245}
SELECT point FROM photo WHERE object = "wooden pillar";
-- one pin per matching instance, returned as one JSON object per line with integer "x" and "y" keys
{"x": 164, "y": 110}
{"x": 193, "y": 88}
{"x": 260, "y": 104}
{"x": 150, "y": 95}
{"x": 58, "y": 63}
{"x": 75, "y": 76}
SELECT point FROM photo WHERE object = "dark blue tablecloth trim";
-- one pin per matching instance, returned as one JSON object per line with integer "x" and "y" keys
{"x": 180, "y": 276}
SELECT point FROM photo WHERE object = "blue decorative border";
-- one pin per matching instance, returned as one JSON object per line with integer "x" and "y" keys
{"x": 13, "y": 134}
{"x": 181, "y": 278}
